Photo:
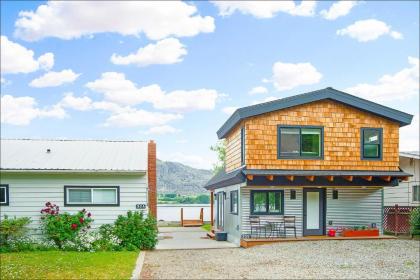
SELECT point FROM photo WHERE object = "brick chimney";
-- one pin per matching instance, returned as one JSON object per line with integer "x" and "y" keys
{"x": 151, "y": 176}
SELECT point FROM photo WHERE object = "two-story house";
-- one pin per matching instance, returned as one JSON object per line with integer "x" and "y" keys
{"x": 320, "y": 158}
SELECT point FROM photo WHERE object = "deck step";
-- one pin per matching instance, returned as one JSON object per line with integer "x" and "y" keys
{"x": 211, "y": 235}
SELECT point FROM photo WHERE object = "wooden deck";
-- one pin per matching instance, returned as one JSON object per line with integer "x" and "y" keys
{"x": 250, "y": 242}
{"x": 192, "y": 223}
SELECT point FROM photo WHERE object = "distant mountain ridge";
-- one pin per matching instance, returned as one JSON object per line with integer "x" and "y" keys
{"x": 175, "y": 177}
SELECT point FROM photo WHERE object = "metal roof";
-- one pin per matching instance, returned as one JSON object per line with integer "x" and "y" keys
{"x": 327, "y": 93}
{"x": 412, "y": 154}
{"x": 73, "y": 155}
{"x": 223, "y": 179}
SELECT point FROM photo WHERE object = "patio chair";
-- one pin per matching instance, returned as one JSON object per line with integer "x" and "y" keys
{"x": 256, "y": 226}
{"x": 289, "y": 223}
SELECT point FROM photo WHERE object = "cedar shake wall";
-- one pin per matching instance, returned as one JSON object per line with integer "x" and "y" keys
{"x": 341, "y": 124}
{"x": 151, "y": 175}
{"x": 233, "y": 149}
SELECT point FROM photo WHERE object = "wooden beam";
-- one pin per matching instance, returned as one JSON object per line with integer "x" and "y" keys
{"x": 250, "y": 177}
{"x": 367, "y": 178}
{"x": 386, "y": 178}
{"x": 330, "y": 178}
{"x": 348, "y": 178}
{"x": 310, "y": 178}
{"x": 270, "y": 177}
{"x": 291, "y": 178}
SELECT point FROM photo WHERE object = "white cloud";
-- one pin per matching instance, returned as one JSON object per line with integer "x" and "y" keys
{"x": 258, "y": 90}
{"x": 409, "y": 136}
{"x": 76, "y": 103}
{"x": 54, "y": 79}
{"x": 398, "y": 86}
{"x": 74, "y": 19}
{"x": 229, "y": 110}
{"x": 135, "y": 117}
{"x": 22, "y": 110}
{"x": 3, "y": 80}
{"x": 166, "y": 51}
{"x": 368, "y": 30}
{"x": 289, "y": 75}
{"x": 188, "y": 159}
{"x": 116, "y": 88}
{"x": 16, "y": 58}
{"x": 265, "y": 9}
{"x": 162, "y": 129}
{"x": 338, "y": 9}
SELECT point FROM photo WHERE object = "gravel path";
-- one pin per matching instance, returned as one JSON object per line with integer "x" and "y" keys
{"x": 374, "y": 259}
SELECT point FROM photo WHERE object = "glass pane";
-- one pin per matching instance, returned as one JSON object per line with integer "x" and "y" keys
{"x": 416, "y": 193}
{"x": 311, "y": 142}
{"x": 234, "y": 199}
{"x": 260, "y": 202}
{"x": 371, "y": 136}
{"x": 2, "y": 195}
{"x": 274, "y": 202}
{"x": 312, "y": 210}
{"x": 371, "y": 151}
{"x": 289, "y": 141}
{"x": 80, "y": 196}
{"x": 104, "y": 196}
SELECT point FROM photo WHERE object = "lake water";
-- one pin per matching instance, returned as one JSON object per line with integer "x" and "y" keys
{"x": 172, "y": 212}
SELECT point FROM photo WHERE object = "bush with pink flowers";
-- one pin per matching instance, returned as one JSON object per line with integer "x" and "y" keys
{"x": 62, "y": 228}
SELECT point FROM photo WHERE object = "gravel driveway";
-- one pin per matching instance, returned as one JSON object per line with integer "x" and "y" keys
{"x": 375, "y": 259}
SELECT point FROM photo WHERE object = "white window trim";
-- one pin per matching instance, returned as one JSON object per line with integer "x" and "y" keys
{"x": 114, "y": 188}
{"x": 5, "y": 187}
{"x": 418, "y": 192}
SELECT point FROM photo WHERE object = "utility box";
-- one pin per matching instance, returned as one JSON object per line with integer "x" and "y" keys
{"x": 221, "y": 236}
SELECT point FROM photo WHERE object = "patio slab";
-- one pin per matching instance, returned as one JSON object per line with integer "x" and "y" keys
{"x": 181, "y": 238}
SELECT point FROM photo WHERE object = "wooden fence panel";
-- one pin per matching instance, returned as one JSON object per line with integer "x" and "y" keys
{"x": 397, "y": 219}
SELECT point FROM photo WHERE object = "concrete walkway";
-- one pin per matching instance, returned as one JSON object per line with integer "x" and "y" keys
{"x": 176, "y": 238}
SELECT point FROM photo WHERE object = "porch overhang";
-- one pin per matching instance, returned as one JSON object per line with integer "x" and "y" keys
{"x": 362, "y": 178}
{"x": 281, "y": 177}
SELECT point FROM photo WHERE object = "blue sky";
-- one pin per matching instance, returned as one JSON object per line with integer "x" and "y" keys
{"x": 174, "y": 71}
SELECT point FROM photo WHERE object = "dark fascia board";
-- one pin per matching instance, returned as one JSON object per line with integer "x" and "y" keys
{"x": 223, "y": 179}
{"x": 327, "y": 93}
{"x": 265, "y": 172}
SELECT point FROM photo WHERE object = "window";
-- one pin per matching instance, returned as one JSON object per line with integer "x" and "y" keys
{"x": 98, "y": 196}
{"x": 242, "y": 146}
{"x": 293, "y": 194}
{"x": 267, "y": 202}
{"x": 4, "y": 194}
{"x": 371, "y": 143}
{"x": 234, "y": 202}
{"x": 334, "y": 194}
{"x": 416, "y": 193}
{"x": 300, "y": 142}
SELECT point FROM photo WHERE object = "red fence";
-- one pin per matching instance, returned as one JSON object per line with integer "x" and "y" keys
{"x": 396, "y": 219}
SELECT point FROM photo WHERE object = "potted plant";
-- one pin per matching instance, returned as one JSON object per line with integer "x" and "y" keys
{"x": 360, "y": 231}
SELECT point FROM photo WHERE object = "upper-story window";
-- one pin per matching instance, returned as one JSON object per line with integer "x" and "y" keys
{"x": 300, "y": 142}
{"x": 243, "y": 146}
{"x": 371, "y": 143}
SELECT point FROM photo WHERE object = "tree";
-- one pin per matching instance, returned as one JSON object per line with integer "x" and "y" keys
{"x": 220, "y": 149}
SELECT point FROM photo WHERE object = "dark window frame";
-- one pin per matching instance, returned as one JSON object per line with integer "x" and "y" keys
{"x": 243, "y": 146}
{"x": 362, "y": 143}
{"x": 335, "y": 194}
{"x": 292, "y": 194}
{"x": 321, "y": 152}
{"x": 414, "y": 199}
{"x": 231, "y": 202}
{"x": 6, "y": 186}
{"x": 267, "y": 202}
{"x": 92, "y": 204}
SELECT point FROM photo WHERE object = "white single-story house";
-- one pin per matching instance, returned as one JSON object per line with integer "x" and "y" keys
{"x": 107, "y": 178}
{"x": 407, "y": 193}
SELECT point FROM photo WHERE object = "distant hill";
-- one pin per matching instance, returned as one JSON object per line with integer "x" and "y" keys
{"x": 175, "y": 177}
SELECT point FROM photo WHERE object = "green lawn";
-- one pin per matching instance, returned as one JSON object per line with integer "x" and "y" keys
{"x": 67, "y": 265}
{"x": 206, "y": 227}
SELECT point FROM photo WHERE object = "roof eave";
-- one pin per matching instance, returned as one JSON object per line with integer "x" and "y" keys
{"x": 73, "y": 171}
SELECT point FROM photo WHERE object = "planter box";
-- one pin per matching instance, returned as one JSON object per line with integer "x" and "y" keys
{"x": 360, "y": 233}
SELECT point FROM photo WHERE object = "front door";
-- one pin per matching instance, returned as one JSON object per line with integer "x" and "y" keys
{"x": 220, "y": 210}
{"x": 313, "y": 211}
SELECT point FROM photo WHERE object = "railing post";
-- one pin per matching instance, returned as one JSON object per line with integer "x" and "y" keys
{"x": 211, "y": 208}
{"x": 396, "y": 220}
{"x": 201, "y": 215}
{"x": 182, "y": 217}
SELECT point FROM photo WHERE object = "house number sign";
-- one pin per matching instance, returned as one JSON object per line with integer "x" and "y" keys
{"x": 140, "y": 206}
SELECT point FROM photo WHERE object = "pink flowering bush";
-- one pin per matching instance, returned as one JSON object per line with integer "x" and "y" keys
{"x": 62, "y": 228}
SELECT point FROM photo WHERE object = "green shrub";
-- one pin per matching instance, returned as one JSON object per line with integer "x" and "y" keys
{"x": 415, "y": 221}
{"x": 135, "y": 231}
{"x": 106, "y": 240}
{"x": 63, "y": 228}
{"x": 13, "y": 229}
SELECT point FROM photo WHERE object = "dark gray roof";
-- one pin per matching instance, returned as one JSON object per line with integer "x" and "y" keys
{"x": 323, "y": 172}
{"x": 223, "y": 179}
{"x": 327, "y": 93}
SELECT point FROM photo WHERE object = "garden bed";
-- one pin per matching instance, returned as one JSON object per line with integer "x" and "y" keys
{"x": 360, "y": 232}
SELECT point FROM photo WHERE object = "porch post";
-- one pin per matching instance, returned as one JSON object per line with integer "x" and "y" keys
{"x": 211, "y": 208}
